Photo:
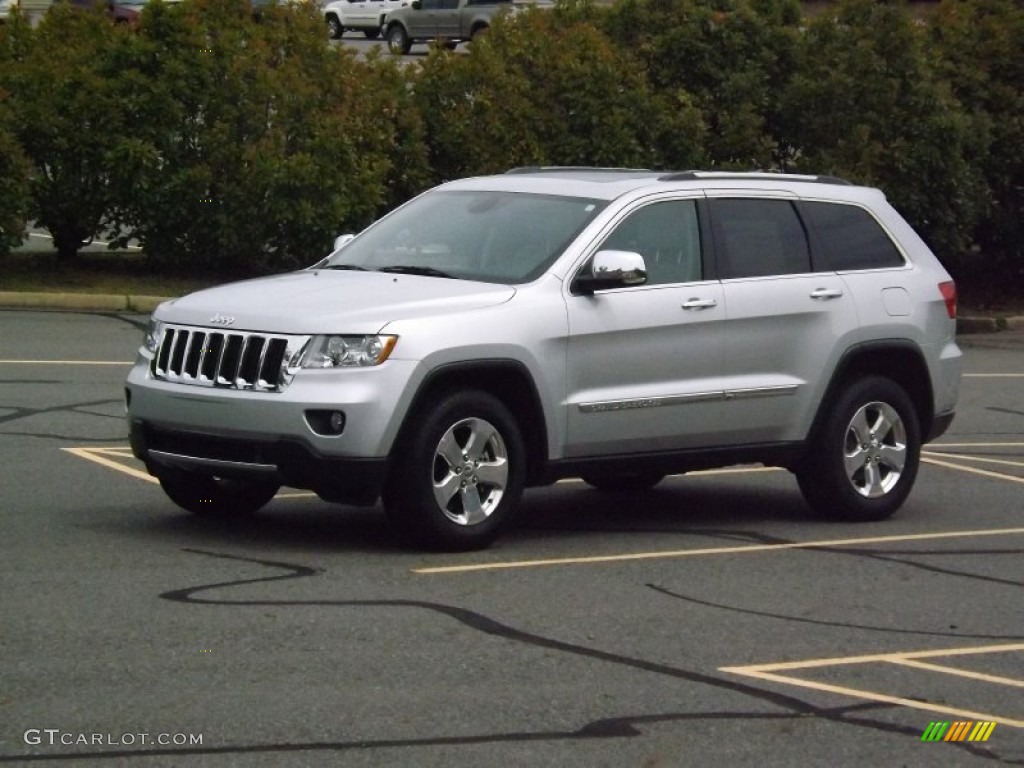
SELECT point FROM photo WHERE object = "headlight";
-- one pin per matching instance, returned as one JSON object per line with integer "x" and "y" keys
{"x": 154, "y": 335}
{"x": 348, "y": 351}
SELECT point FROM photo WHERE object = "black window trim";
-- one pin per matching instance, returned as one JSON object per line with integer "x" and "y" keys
{"x": 721, "y": 267}
{"x": 819, "y": 253}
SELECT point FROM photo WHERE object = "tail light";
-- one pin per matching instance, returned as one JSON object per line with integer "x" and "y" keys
{"x": 948, "y": 291}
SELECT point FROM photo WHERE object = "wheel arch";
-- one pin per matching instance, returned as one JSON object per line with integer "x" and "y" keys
{"x": 896, "y": 359}
{"x": 507, "y": 380}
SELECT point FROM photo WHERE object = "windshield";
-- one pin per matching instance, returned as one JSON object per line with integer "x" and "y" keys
{"x": 498, "y": 237}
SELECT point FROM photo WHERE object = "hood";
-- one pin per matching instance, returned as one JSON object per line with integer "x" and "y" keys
{"x": 330, "y": 301}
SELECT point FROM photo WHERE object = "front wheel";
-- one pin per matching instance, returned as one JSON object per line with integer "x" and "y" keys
{"x": 457, "y": 476}
{"x": 212, "y": 496}
{"x": 334, "y": 28}
{"x": 398, "y": 41}
{"x": 864, "y": 460}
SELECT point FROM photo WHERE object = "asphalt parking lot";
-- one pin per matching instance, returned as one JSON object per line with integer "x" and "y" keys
{"x": 713, "y": 620}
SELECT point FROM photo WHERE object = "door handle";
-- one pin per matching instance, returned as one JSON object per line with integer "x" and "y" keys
{"x": 699, "y": 304}
{"x": 826, "y": 293}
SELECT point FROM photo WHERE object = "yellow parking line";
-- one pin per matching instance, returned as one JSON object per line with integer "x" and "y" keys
{"x": 98, "y": 455}
{"x": 92, "y": 454}
{"x": 908, "y": 658}
{"x": 958, "y": 672}
{"x": 982, "y": 459}
{"x": 965, "y": 714}
{"x": 837, "y": 660}
{"x": 973, "y": 470}
{"x": 713, "y": 551}
{"x": 63, "y": 362}
{"x": 976, "y": 445}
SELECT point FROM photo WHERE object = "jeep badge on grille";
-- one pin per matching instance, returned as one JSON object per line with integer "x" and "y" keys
{"x": 220, "y": 319}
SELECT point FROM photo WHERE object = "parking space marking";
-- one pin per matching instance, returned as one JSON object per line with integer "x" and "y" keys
{"x": 63, "y": 362}
{"x": 981, "y": 459}
{"x": 738, "y": 550}
{"x": 99, "y": 456}
{"x": 972, "y": 470}
{"x": 975, "y": 445}
{"x": 769, "y": 672}
{"x": 993, "y": 375}
{"x": 957, "y": 672}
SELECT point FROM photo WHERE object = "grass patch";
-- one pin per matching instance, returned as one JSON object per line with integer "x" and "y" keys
{"x": 117, "y": 272}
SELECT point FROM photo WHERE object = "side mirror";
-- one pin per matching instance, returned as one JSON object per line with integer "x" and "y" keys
{"x": 341, "y": 241}
{"x": 612, "y": 269}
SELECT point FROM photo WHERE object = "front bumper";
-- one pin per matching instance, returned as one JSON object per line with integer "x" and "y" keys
{"x": 343, "y": 480}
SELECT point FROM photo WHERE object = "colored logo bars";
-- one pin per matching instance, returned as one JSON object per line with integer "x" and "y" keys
{"x": 966, "y": 730}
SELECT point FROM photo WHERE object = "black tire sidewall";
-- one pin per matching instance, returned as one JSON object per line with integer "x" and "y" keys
{"x": 823, "y": 478}
{"x": 408, "y": 494}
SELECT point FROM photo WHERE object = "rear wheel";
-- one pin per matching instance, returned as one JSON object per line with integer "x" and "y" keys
{"x": 627, "y": 482}
{"x": 864, "y": 460}
{"x": 398, "y": 41}
{"x": 212, "y": 496}
{"x": 456, "y": 481}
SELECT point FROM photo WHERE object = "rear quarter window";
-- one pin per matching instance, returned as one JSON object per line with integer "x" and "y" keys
{"x": 850, "y": 237}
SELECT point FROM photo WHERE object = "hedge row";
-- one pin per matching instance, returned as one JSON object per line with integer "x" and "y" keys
{"x": 226, "y": 143}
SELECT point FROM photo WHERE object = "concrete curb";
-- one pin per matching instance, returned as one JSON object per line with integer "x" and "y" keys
{"x": 93, "y": 302}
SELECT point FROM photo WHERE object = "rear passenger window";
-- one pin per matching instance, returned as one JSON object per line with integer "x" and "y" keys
{"x": 851, "y": 238}
{"x": 756, "y": 238}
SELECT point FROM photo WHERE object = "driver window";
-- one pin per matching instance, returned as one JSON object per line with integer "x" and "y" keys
{"x": 667, "y": 235}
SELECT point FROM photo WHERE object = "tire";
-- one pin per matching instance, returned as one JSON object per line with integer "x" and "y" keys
{"x": 221, "y": 497}
{"x": 630, "y": 482}
{"x": 457, "y": 476}
{"x": 398, "y": 41}
{"x": 334, "y": 28}
{"x": 863, "y": 461}
{"x": 450, "y": 45}
{"x": 371, "y": 34}
{"x": 479, "y": 32}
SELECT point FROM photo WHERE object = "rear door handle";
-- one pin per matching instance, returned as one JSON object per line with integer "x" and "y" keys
{"x": 699, "y": 304}
{"x": 826, "y": 293}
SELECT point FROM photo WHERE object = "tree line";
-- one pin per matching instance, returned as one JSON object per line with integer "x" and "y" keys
{"x": 239, "y": 145}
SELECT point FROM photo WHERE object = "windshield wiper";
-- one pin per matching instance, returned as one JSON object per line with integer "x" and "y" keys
{"x": 403, "y": 269}
{"x": 344, "y": 266}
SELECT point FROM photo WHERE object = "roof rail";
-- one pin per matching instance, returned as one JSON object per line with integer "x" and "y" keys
{"x": 574, "y": 169}
{"x": 751, "y": 176}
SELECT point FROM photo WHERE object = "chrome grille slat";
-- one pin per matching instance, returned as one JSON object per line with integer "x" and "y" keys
{"x": 237, "y": 360}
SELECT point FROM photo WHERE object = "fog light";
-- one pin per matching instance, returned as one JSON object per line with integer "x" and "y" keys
{"x": 326, "y": 423}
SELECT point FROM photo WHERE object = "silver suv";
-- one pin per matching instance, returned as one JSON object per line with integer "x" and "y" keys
{"x": 503, "y": 332}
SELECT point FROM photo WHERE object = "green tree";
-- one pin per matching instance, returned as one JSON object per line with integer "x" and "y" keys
{"x": 719, "y": 63}
{"x": 540, "y": 88}
{"x": 65, "y": 114}
{"x": 865, "y": 103}
{"x": 977, "y": 45}
{"x": 257, "y": 142}
{"x": 14, "y": 166}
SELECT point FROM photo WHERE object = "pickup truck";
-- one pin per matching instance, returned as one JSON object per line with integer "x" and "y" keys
{"x": 454, "y": 21}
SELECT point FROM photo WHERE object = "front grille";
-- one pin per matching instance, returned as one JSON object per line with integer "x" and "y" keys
{"x": 236, "y": 360}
